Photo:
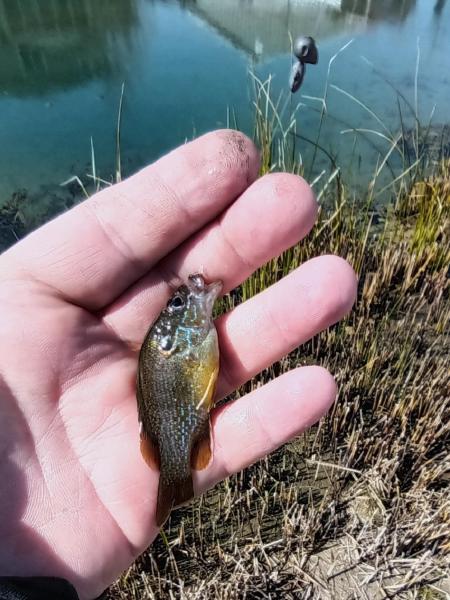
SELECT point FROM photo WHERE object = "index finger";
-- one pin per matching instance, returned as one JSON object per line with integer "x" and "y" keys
{"x": 92, "y": 253}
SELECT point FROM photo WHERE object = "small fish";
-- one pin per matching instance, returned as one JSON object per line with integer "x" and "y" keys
{"x": 176, "y": 382}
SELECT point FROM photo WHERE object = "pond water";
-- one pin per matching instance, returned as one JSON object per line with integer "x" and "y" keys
{"x": 185, "y": 66}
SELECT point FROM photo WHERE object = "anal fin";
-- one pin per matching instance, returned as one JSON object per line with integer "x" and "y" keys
{"x": 201, "y": 451}
{"x": 150, "y": 451}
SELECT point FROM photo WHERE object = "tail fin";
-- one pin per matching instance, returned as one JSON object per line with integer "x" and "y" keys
{"x": 171, "y": 495}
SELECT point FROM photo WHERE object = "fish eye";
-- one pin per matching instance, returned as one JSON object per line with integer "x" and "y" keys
{"x": 176, "y": 302}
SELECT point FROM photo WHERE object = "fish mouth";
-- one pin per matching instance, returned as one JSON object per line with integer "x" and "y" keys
{"x": 198, "y": 286}
{"x": 207, "y": 293}
{"x": 214, "y": 289}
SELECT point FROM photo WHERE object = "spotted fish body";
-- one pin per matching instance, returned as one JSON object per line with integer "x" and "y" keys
{"x": 177, "y": 374}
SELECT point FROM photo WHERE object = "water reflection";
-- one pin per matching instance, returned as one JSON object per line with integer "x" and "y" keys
{"x": 47, "y": 45}
{"x": 52, "y": 44}
{"x": 377, "y": 10}
{"x": 261, "y": 27}
{"x": 438, "y": 7}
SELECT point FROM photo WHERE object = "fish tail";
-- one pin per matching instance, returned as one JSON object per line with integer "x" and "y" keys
{"x": 171, "y": 494}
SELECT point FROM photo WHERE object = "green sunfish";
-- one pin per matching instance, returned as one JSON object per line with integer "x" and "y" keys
{"x": 176, "y": 382}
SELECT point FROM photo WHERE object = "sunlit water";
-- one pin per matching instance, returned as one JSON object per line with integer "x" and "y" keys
{"x": 184, "y": 64}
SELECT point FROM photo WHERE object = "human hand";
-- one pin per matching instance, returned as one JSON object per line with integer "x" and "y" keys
{"x": 76, "y": 498}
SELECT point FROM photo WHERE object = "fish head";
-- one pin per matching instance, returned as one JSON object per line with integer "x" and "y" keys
{"x": 187, "y": 318}
{"x": 200, "y": 300}
{"x": 192, "y": 303}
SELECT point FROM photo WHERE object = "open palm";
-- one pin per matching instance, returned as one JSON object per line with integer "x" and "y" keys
{"x": 76, "y": 498}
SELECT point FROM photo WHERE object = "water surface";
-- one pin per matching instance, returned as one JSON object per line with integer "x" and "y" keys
{"x": 63, "y": 62}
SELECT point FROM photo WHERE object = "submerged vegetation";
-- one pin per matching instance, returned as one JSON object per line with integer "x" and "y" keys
{"x": 357, "y": 507}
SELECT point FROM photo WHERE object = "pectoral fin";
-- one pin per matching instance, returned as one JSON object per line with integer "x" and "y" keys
{"x": 202, "y": 449}
{"x": 207, "y": 400}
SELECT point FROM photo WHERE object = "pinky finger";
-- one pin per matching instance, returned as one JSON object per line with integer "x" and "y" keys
{"x": 257, "y": 424}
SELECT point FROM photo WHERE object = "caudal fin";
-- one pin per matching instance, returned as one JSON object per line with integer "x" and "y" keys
{"x": 171, "y": 495}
